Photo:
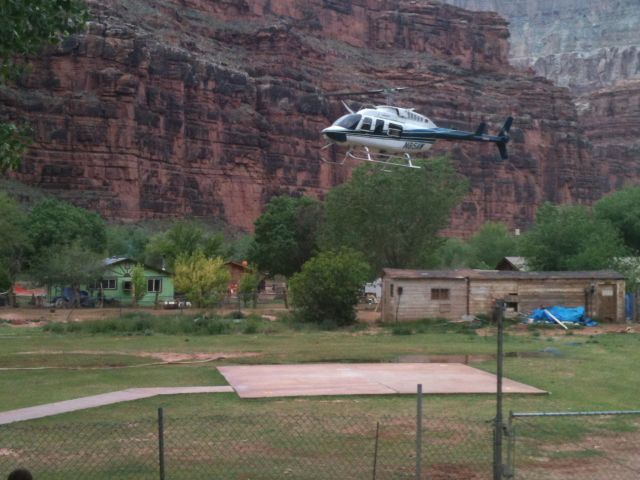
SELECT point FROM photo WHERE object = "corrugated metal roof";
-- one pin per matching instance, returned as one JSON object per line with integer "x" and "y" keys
{"x": 518, "y": 262}
{"x": 462, "y": 273}
{"x": 113, "y": 260}
{"x": 107, "y": 262}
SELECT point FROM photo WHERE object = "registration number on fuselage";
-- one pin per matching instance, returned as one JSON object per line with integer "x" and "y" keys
{"x": 413, "y": 146}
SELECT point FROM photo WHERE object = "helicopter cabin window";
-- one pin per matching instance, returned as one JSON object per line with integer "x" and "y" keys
{"x": 379, "y": 127}
{"x": 395, "y": 130}
{"x": 366, "y": 124}
{"x": 350, "y": 122}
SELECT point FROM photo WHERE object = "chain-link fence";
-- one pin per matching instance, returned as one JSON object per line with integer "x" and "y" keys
{"x": 252, "y": 447}
{"x": 574, "y": 445}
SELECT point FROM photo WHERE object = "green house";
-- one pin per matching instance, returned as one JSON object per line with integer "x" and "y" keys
{"x": 116, "y": 283}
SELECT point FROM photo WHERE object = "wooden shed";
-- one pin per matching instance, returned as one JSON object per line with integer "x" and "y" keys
{"x": 417, "y": 294}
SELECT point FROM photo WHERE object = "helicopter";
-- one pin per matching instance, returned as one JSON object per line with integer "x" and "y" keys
{"x": 391, "y": 135}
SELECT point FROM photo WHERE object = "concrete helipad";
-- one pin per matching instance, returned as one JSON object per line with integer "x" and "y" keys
{"x": 258, "y": 381}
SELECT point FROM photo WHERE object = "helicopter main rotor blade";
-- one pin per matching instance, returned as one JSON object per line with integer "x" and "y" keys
{"x": 365, "y": 92}
{"x": 347, "y": 107}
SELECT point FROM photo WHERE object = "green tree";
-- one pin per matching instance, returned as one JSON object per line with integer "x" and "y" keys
{"x": 286, "y": 235}
{"x": 326, "y": 289}
{"x": 393, "y": 218}
{"x": 622, "y": 209}
{"x": 184, "y": 238}
{"x": 238, "y": 250}
{"x": 571, "y": 237}
{"x": 6, "y": 283}
{"x": 26, "y": 26}
{"x": 248, "y": 286}
{"x": 15, "y": 245}
{"x": 453, "y": 253}
{"x": 491, "y": 243}
{"x": 203, "y": 280}
{"x": 127, "y": 240}
{"x": 67, "y": 265}
{"x": 14, "y": 140}
{"x": 55, "y": 223}
{"x": 138, "y": 283}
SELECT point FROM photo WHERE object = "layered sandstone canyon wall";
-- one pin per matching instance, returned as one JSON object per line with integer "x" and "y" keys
{"x": 580, "y": 44}
{"x": 593, "y": 48}
{"x": 208, "y": 108}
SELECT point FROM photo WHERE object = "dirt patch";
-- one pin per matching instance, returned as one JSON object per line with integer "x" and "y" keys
{"x": 172, "y": 357}
{"x": 368, "y": 316}
{"x": 33, "y": 317}
{"x": 523, "y": 329}
{"x": 169, "y": 357}
{"x": 608, "y": 455}
{"x": 39, "y": 316}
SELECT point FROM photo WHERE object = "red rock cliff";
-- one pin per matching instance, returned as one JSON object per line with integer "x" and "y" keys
{"x": 208, "y": 108}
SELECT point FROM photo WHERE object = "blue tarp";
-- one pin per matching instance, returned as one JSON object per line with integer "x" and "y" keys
{"x": 628, "y": 306}
{"x": 564, "y": 314}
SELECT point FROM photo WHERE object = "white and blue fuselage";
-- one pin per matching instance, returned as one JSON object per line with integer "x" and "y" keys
{"x": 400, "y": 130}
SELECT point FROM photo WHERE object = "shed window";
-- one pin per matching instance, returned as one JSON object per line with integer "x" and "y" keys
{"x": 439, "y": 294}
{"x": 154, "y": 285}
{"x": 391, "y": 291}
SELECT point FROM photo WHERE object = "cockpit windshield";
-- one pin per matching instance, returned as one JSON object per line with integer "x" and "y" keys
{"x": 349, "y": 122}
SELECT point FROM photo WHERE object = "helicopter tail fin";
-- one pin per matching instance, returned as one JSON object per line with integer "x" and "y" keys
{"x": 503, "y": 138}
{"x": 502, "y": 147}
{"x": 481, "y": 130}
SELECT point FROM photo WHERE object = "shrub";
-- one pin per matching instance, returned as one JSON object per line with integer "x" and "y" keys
{"x": 326, "y": 290}
{"x": 401, "y": 330}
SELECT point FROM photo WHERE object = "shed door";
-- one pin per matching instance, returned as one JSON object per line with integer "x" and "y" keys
{"x": 607, "y": 297}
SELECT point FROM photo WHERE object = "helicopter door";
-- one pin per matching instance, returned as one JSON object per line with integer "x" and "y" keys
{"x": 394, "y": 130}
{"x": 379, "y": 127}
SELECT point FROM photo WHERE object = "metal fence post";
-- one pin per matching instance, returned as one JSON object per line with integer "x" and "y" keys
{"x": 375, "y": 451}
{"x": 419, "y": 434}
{"x": 161, "y": 442}
{"x": 509, "y": 469}
{"x": 497, "y": 447}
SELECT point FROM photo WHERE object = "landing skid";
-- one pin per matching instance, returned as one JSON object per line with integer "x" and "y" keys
{"x": 330, "y": 155}
{"x": 367, "y": 155}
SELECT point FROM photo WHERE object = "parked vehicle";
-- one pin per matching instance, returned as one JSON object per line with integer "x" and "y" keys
{"x": 71, "y": 297}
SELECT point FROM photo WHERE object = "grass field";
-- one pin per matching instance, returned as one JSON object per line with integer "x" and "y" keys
{"x": 581, "y": 372}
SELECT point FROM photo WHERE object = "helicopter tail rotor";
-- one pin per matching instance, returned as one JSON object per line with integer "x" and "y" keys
{"x": 502, "y": 148}
{"x": 504, "y": 132}
{"x": 503, "y": 138}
